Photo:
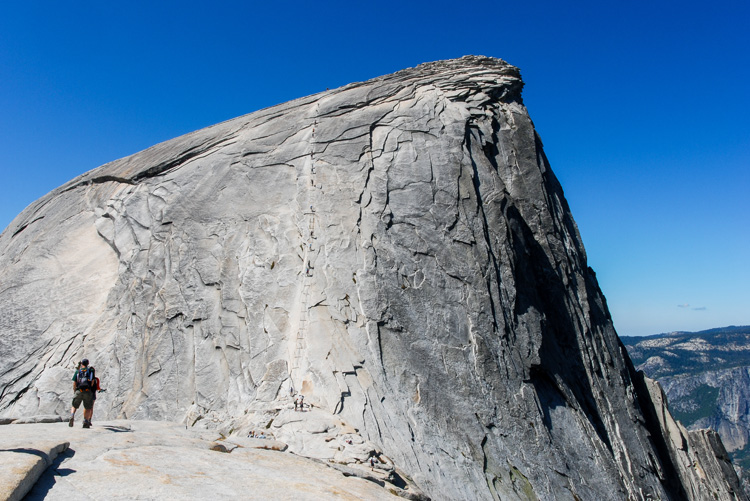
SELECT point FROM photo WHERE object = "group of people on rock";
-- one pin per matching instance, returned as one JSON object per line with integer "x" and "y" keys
{"x": 299, "y": 403}
{"x": 299, "y": 400}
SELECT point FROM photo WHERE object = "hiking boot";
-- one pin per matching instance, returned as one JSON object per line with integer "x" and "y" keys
{"x": 71, "y": 420}
{"x": 86, "y": 423}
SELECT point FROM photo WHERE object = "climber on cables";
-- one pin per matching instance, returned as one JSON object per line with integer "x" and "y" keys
{"x": 85, "y": 386}
{"x": 300, "y": 402}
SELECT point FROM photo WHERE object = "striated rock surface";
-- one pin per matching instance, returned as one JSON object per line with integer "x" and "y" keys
{"x": 397, "y": 250}
{"x": 703, "y": 465}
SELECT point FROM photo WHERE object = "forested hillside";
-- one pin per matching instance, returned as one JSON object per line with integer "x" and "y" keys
{"x": 706, "y": 376}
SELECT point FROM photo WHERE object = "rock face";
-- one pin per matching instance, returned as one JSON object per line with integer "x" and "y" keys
{"x": 702, "y": 461}
{"x": 397, "y": 250}
{"x": 706, "y": 376}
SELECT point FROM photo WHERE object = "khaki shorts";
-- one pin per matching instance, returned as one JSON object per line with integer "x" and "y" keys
{"x": 87, "y": 397}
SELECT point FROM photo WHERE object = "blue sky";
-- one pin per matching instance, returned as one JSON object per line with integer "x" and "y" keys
{"x": 643, "y": 108}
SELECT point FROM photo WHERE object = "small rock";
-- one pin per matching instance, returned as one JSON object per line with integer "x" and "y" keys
{"x": 215, "y": 446}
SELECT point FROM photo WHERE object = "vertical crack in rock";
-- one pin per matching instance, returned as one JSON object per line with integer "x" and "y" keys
{"x": 485, "y": 225}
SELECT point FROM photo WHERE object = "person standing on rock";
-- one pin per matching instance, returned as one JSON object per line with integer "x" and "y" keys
{"x": 83, "y": 391}
{"x": 95, "y": 389}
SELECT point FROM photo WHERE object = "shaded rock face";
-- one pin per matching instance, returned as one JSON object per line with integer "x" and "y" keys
{"x": 706, "y": 376}
{"x": 397, "y": 250}
{"x": 702, "y": 461}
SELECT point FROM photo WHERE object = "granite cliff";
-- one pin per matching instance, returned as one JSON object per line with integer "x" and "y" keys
{"x": 706, "y": 377}
{"x": 398, "y": 251}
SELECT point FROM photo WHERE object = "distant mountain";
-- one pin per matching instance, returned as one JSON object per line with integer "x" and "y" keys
{"x": 706, "y": 376}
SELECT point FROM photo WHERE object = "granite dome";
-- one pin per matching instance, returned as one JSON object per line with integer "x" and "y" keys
{"x": 397, "y": 250}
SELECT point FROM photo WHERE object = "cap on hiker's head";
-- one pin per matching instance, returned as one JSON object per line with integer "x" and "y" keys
{"x": 85, "y": 361}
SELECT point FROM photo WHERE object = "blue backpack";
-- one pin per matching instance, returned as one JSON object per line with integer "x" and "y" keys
{"x": 85, "y": 378}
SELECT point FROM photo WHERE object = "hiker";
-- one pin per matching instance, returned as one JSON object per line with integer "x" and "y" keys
{"x": 300, "y": 402}
{"x": 84, "y": 381}
{"x": 95, "y": 389}
{"x": 372, "y": 463}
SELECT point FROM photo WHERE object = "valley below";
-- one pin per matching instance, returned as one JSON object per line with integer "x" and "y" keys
{"x": 706, "y": 376}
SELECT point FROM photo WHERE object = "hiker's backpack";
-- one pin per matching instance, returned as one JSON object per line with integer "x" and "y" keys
{"x": 85, "y": 379}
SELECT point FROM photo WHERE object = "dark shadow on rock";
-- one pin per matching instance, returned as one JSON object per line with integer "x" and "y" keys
{"x": 116, "y": 429}
{"x": 47, "y": 480}
{"x": 397, "y": 480}
{"x": 561, "y": 373}
{"x": 63, "y": 472}
{"x": 670, "y": 478}
{"x": 28, "y": 451}
{"x": 549, "y": 394}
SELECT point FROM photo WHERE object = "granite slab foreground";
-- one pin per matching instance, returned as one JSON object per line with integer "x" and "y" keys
{"x": 23, "y": 465}
{"x": 159, "y": 460}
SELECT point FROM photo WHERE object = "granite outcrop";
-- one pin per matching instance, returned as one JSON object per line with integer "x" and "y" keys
{"x": 706, "y": 377}
{"x": 398, "y": 251}
{"x": 147, "y": 460}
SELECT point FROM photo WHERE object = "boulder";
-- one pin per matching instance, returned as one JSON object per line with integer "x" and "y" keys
{"x": 23, "y": 464}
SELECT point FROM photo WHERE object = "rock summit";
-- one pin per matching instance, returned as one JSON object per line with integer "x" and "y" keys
{"x": 398, "y": 251}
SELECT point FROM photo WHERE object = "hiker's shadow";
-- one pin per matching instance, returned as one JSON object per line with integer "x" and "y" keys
{"x": 116, "y": 429}
{"x": 48, "y": 478}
